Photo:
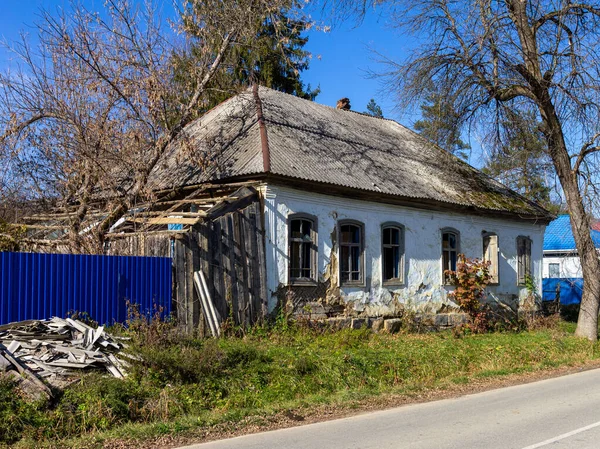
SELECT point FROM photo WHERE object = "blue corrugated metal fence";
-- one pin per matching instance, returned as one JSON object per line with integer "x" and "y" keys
{"x": 36, "y": 286}
{"x": 570, "y": 290}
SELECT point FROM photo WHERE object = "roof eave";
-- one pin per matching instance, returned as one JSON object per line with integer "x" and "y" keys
{"x": 418, "y": 203}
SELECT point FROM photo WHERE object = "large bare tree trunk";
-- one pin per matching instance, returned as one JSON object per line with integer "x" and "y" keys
{"x": 587, "y": 323}
{"x": 489, "y": 58}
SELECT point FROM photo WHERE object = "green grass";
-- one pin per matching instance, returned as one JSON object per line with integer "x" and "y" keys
{"x": 187, "y": 385}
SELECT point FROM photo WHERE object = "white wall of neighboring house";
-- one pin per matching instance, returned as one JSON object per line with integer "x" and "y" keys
{"x": 569, "y": 265}
{"x": 423, "y": 290}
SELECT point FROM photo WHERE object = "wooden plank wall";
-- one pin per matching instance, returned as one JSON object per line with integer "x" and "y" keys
{"x": 230, "y": 251}
{"x": 233, "y": 254}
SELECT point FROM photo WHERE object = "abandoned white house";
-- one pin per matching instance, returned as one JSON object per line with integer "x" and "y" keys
{"x": 360, "y": 208}
{"x": 358, "y": 213}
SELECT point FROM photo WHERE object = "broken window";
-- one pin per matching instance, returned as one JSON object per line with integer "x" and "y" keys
{"x": 302, "y": 248}
{"x": 490, "y": 254}
{"x": 392, "y": 254}
{"x": 351, "y": 253}
{"x": 450, "y": 248}
{"x": 523, "y": 259}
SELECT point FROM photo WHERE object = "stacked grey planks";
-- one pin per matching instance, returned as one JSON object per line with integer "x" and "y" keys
{"x": 47, "y": 352}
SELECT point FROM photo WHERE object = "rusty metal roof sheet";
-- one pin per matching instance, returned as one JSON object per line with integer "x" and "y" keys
{"x": 313, "y": 142}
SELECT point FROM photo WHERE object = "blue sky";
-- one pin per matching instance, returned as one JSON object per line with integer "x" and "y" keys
{"x": 341, "y": 58}
{"x": 343, "y": 62}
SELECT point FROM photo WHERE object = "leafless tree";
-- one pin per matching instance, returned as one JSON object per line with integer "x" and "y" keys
{"x": 492, "y": 56}
{"x": 88, "y": 112}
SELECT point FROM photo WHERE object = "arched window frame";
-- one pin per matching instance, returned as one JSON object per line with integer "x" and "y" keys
{"x": 400, "y": 280}
{"x": 523, "y": 259}
{"x": 491, "y": 244}
{"x": 447, "y": 264}
{"x": 361, "y": 264}
{"x": 314, "y": 249}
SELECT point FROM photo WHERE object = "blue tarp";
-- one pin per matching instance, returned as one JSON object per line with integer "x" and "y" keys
{"x": 570, "y": 290}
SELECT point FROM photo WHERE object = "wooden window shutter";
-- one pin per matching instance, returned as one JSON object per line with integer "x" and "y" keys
{"x": 490, "y": 253}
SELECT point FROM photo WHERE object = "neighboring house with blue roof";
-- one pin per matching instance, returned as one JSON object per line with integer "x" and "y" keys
{"x": 560, "y": 253}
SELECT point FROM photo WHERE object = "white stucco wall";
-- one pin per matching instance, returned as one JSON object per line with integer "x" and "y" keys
{"x": 423, "y": 290}
{"x": 569, "y": 265}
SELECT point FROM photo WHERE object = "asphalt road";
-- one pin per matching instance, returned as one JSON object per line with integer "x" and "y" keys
{"x": 561, "y": 413}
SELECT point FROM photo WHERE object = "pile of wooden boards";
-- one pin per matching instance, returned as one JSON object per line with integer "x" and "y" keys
{"x": 48, "y": 352}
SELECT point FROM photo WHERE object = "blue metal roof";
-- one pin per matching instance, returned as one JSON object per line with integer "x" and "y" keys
{"x": 559, "y": 236}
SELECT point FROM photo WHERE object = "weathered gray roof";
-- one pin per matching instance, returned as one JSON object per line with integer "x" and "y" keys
{"x": 312, "y": 142}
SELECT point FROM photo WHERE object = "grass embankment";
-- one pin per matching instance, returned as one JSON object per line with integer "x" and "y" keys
{"x": 187, "y": 386}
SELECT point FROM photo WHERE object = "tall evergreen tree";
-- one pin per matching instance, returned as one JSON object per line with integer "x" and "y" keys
{"x": 374, "y": 109}
{"x": 275, "y": 59}
{"x": 440, "y": 124}
{"x": 521, "y": 161}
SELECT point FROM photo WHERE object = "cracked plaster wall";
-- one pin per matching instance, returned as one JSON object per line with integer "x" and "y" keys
{"x": 423, "y": 290}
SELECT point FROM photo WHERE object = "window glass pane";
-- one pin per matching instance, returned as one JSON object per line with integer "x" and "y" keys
{"x": 301, "y": 229}
{"x": 355, "y": 258}
{"x": 295, "y": 226}
{"x": 350, "y": 234}
{"x": 397, "y": 274}
{"x": 448, "y": 240}
{"x": 387, "y": 239}
{"x": 345, "y": 265}
{"x": 294, "y": 258}
{"x": 391, "y": 263}
{"x": 306, "y": 253}
{"x": 306, "y": 230}
{"x": 345, "y": 234}
{"x": 554, "y": 270}
{"x": 453, "y": 260}
{"x": 388, "y": 261}
{"x": 395, "y": 236}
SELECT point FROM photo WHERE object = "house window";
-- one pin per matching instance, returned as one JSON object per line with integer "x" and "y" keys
{"x": 351, "y": 237}
{"x": 523, "y": 259}
{"x": 450, "y": 249}
{"x": 554, "y": 270}
{"x": 302, "y": 248}
{"x": 392, "y": 253}
{"x": 490, "y": 254}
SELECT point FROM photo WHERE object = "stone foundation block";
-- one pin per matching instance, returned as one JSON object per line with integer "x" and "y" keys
{"x": 392, "y": 325}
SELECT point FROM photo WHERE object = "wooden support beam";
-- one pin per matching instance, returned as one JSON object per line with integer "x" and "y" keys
{"x": 165, "y": 220}
{"x": 118, "y": 235}
{"x": 158, "y": 213}
{"x": 48, "y": 227}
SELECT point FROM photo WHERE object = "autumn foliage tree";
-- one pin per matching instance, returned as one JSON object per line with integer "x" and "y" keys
{"x": 470, "y": 280}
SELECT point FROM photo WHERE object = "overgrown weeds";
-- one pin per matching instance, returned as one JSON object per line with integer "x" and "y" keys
{"x": 275, "y": 368}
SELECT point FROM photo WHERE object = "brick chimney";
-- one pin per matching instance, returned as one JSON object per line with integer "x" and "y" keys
{"x": 343, "y": 103}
